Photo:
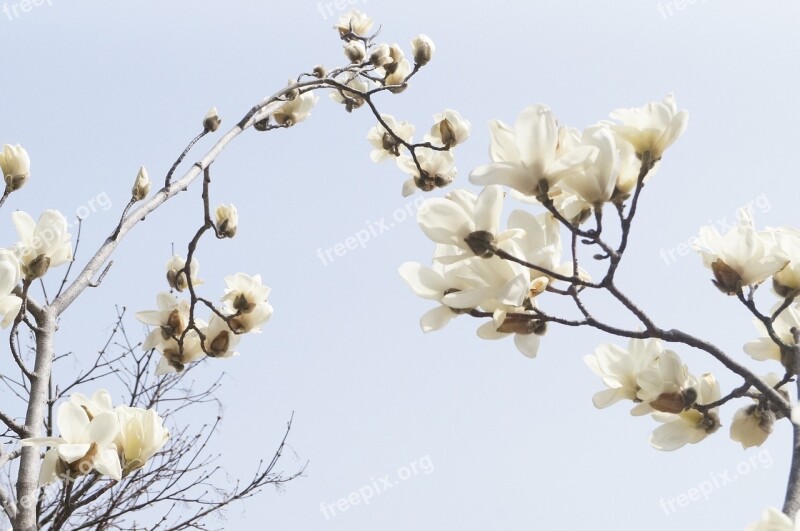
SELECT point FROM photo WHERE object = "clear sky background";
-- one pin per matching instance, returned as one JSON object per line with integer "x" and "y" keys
{"x": 94, "y": 89}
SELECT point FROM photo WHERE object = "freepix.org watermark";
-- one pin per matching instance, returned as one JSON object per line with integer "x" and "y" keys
{"x": 362, "y": 237}
{"x": 670, "y": 8}
{"x": 716, "y": 481}
{"x": 326, "y": 9}
{"x": 365, "y": 493}
{"x": 16, "y": 9}
{"x": 758, "y": 205}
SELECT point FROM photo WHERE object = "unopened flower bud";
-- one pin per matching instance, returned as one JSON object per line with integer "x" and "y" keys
{"x": 380, "y": 55}
{"x": 212, "y": 120}
{"x": 319, "y": 71}
{"x": 422, "y": 49}
{"x": 141, "y": 187}
{"x": 227, "y": 220}
{"x": 355, "y": 51}
{"x": 15, "y": 165}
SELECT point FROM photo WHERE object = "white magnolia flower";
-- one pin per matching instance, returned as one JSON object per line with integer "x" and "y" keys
{"x": 141, "y": 435}
{"x": 15, "y": 165}
{"x": 469, "y": 223}
{"x": 170, "y": 319}
{"x": 10, "y": 275}
{"x": 787, "y": 280}
{"x": 176, "y": 277}
{"x": 141, "y": 187}
{"x": 764, "y": 348}
{"x": 527, "y": 332}
{"x": 86, "y": 444}
{"x": 533, "y": 156}
{"x": 666, "y": 385}
{"x": 652, "y": 128}
{"x": 422, "y": 49}
{"x": 774, "y": 520}
{"x": 295, "y": 110}
{"x": 596, "y": 183}
{"x": 689, "y": 426}
{"x": 43, "y": 244}
{"x": 175, "y": 357}
{"x": 620, "y": 368}
{"x": 741, "y": 257}
{"x": 387, "y": 146}
{"x": 227, "y": 220}
{"x": 246, "y": 300}
{"x": 354, "y": 22}
{"x": 220, "y": 340}
{"x": 398, "y": 76}
{"x": 351, "y": 100}
{"x": 435, "y": 170}
{"x": 751, "y": 425}
{"x": 449, "y": 129}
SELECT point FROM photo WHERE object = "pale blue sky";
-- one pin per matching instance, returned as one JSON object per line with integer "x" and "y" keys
{"x": 95, "y": 89}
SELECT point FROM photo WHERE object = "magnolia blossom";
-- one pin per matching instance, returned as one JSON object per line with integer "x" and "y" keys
{"x": 741, "y": 257}
{"x": 10, "y": 275}
{"x": 176, "y": 277}
{"x": 15, "y": 165}
{"x": 220, "y": 340}
{"x": 141, "y": 435}
{"x": 171, "y": 320}
{"x": 527, "y": 332}
{"x": 43, "y": 244}
{"x": 498, "y": 287}
{"x": 690, "y": 426}
{"x": 351, "y": 100}
{"x": 652, "y": 128}
{"x": 597, "y": 182}
{"x": 354, "y": 22}
{"x": 764, "y": 348}
{"x": 385, "y": 144}
{"x": 787, "y": 280}
{"x": 666, "y": 385}
{"x": 620, "y": 368}
{"x": 245, "y": 301}
{"x": 141, "y": 187}
{"x": 86, "y": 444}
{"x": 449, "y": 129}
{"x": 398, "y": 76}
{"x": 295, "y": 110}
{"x": 532, "y": 156}
{"x": 435, "y": 170}
{"x": 774, "y": 520}
{"x": 470, "y": 223}
{"x": 227, "y": 220}
{"x": 422, "y": 49}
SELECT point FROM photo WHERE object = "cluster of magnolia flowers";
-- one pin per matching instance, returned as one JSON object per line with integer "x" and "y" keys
{"x": 98, "y": 437}
{"x": 182, "y": 339}
{"x": 541, "y": 161}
